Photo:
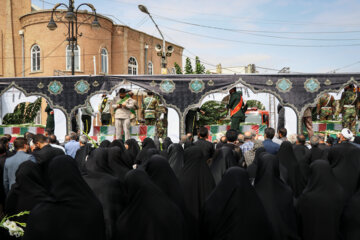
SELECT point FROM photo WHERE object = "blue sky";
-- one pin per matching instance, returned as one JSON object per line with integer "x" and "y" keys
{"x": 256, "y": 28}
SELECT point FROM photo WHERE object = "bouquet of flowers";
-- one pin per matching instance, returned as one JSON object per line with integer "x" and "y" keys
{"x": 14, "y": 227}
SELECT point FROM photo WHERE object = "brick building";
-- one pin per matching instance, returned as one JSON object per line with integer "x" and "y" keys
{"x": 28, "y": 48}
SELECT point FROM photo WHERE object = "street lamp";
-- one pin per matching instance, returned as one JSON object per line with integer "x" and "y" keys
{"x": 161, "y": 50}
{"x": 72, "y": 25}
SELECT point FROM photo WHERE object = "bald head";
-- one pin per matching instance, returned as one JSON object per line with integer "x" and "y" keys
{"x": 247, "y": 136}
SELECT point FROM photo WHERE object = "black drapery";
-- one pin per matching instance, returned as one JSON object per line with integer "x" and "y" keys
{"x": 145, "y": 154}
{"x": 350, "y": 222}
{"x": 176, "y": 158}
{"x": 119, "y": 162}
{"x": 224, "y": 158}
{"x": 234, "y": 211}
{"x": 133, "y": 149}
{"x": 303, "y": 156}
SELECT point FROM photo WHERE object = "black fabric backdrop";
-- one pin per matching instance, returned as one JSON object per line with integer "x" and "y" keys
{"x": 182, "y": 92}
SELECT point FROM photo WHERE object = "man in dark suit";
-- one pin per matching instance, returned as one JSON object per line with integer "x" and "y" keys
{"x": 206, "y": 146}
{"x": 46, "y": 152}
{"x": 269, "y": 145}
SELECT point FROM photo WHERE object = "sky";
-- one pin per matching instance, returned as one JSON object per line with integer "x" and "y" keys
{"x": 309, "y": 36}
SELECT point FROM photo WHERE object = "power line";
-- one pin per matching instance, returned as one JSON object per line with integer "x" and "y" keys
{"x": 346, "y": 66}
{"x": 253, "y": 31}
{"x": 261, "y": 43}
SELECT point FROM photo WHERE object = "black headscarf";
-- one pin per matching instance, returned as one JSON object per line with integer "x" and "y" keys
{"x": 344, "y": 159}
{"x": 320, "y": 206}
{"x": 108, "y": 189}
{"x": 277, "y": 197}
{"x": 27, "y": 192}
{"x": 253, "y": 166}
{"x": 81, "y": 155}
{"x": 142, "y": 156}
{"x": 74, "y": 213}
{"x": 98, "y": 161}
{"x": 105, "y": 144}
{"x": 165, "y": 145}
{"x": 357, "y": 140}
{"x": 196, "y": 180}
{"x": 317, "y": 153}
{"x": 150, "y": 214}
{"x": 287, "y": 159}
{"x": 118, "y": 143}
{"x": 350, "y": 224}
{"x": 223, "y": 159}
{"x": 133, "y": 149}
{"x": 303, "y": 156}
{"x": 119, "y": 162}
{"x": 176, "y": 158}
{"x": 234, "y": 211}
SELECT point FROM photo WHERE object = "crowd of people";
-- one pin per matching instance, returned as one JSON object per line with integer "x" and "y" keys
{"x": 245, "y": 186}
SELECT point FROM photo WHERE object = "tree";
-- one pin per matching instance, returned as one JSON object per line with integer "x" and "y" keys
{"x": 199, "y": 68}
{"x": 178, "y": 68}
{"x": 188, "y": 67}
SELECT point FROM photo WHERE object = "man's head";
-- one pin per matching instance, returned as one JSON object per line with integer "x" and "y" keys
{"x": 247, "y": 136}
{"x": 3, "y": 149}
{"x": 282, "y": 132}
{"x": 5, "y": 141}
{"x": 231, "y": 135}
{"x": 203, "y": 133}
{"x": 350, "y": 87}
{"x": 223, "y": 139}
{"x": 240, "y": 138}
{"x": 189, "y": 137}
{"x": 83, "y": 140}
{"x": 321, "y": 138}
{"x": 269, "y": 133}
{"x": 21, "y": 144}
{"x": 301, "y": 140}
{"x": 232, "y": 90}
{"x": 253, "y": 134}
{"x": 346, "y": 135}
{"x": 292, "y": 138}
{"x": 40, "y": 141}
{"x": 8, "y": 136}
{"x": 183, "y": 138}
{"x": 73, "y": 136}
{"x": 314, "y": 141}
{"x": 52, "y": 139}
{"x": 67, "y": 138}
{"x": 122, "y": 92}
{"x": 47, "y": 132}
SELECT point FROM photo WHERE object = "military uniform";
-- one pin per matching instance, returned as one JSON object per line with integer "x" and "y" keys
{"x": 149, "y": 107}
{"x": 104, "y": 110}
{"x": 86, "y": 114}
{"x": 239, "y": 116}
{"x": 348, "y": 103}
{"x": 161, "y": 123}
{"x": 50, "y": 121}
{"x": 326, "y": 107}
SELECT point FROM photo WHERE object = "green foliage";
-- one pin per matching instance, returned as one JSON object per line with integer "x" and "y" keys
{"x": 199, "y": 68}
{"x": 188, "y": 66}
{"x": 255, "y": 103}
{"x": 215, "y": 113}
{"x": 23, "y": 113}
{"x": 178, "y": 68}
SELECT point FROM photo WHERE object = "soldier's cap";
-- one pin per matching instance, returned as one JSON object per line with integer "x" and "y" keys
{"x": 123, "y": 90}
{"x": 347, "y": 133}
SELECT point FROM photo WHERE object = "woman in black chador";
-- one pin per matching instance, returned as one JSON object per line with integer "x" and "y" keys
{"x": 320, "y": 206}
{"x": 277, "y": 198}
{"x": 234, "y": 211}
{"x": 149, "y": 214}
{"x": 72, "y": 213}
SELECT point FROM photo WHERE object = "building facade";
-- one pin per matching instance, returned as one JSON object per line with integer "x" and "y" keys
{"x": 30, "y": 49}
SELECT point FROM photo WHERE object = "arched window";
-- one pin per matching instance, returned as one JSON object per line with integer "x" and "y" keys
{"x": 150, "y": 68}
{"x": 104, "y": 60}
{"x": 69, "y": 59}
{"x": 132, "y": 66}
{"x": 35, "y": 58}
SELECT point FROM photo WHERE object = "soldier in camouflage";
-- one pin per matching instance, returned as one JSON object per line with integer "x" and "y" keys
{"x": 348, "y": 107}
{"x": 326, "y": 107}
{"x": 150, "y": 106}
{"x": 161, "y": 123}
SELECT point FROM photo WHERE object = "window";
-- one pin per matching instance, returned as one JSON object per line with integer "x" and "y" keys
{"x": 150, "y": 68}
{"x": 35, "y": 58}
{"x": 104, "y": 60}
{"x": 132, "y": 66}
{"x": 69, "y": 59}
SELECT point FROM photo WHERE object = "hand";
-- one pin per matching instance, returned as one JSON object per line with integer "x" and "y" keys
{"x": 202, "y": 112}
